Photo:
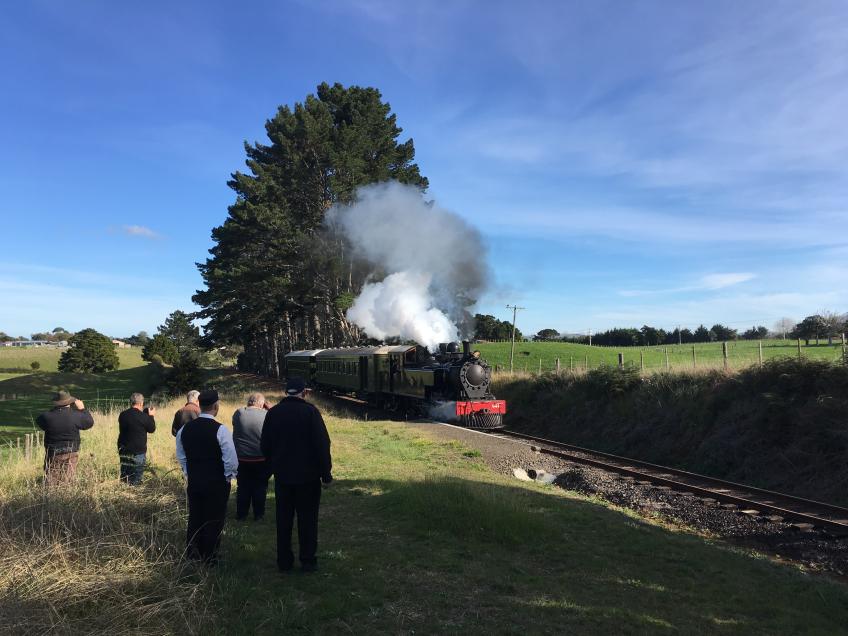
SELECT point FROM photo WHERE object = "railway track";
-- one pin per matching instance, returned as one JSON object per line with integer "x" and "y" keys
{"x": 803, "y": 514}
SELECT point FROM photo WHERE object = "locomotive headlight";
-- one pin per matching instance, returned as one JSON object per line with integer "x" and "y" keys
{"x": 475, "y": 374}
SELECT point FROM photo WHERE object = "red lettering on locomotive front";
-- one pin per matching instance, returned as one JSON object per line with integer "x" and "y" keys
{"x": 483, "y": 406}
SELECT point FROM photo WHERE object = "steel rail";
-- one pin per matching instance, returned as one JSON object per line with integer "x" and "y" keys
{"x": 710, "y": 487}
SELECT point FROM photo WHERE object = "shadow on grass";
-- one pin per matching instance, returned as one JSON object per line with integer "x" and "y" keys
{"x": 444, "y": 555}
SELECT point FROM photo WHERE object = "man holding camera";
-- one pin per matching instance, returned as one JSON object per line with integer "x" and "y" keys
{"x": 134, "y": 425}
{"x": 61, "y": 426}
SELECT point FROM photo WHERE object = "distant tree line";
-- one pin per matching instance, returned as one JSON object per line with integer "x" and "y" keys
{"x": 826, "y": 325}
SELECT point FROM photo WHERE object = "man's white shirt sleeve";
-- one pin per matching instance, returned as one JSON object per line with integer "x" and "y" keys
{"x": 181, "y": 456}
{"x": 228, "y": 452}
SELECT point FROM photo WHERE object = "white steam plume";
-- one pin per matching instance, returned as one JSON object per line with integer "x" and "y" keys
{"x": 435, "y": 264}
{"x": 400, "y": 305}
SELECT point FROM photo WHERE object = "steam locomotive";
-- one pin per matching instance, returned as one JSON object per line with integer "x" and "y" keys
{"x": 451, "y": 385}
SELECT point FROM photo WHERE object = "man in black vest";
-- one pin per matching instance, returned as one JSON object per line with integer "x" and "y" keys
{"x": 297, "y": 447}
{"x": 207, "y": 455}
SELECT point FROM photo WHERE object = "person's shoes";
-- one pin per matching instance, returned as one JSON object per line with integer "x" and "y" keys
{"x": 309, "y": 567}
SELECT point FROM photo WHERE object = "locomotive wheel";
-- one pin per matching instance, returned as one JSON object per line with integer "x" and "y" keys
{"x": 485, "y": 421}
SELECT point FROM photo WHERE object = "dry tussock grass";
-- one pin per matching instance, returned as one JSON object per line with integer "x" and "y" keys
{"x": 98, "y": 556}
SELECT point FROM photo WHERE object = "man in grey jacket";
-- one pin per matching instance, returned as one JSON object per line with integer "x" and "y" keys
{"x": 253, "y": 469}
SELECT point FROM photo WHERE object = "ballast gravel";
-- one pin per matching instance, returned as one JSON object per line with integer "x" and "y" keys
{"x": 815, "y": 550}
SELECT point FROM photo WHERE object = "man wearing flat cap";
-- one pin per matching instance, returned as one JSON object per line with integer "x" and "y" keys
{"x": 61, "y": 426}
{"x": 297, "y": 447}
{"x": 208, "y": 458}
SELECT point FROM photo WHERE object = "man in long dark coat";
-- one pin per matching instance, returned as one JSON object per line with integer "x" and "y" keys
{"x": 296, "y": 443}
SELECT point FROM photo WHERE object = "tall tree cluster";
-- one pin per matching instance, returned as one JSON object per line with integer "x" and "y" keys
{"x": 276, "y": 280}
{"x": 487, "y": 327}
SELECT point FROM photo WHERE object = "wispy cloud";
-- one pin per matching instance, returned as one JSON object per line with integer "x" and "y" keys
{"x": 710, "y": 282}
{"x": 82, "y": 299}
{"x": 720, "y": 281}
{"x": 140, "y": 231}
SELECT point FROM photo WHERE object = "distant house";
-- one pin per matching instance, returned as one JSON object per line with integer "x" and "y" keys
{"x": 121, "y": 344}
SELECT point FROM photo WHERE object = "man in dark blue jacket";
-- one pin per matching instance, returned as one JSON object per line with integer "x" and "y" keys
{"x": 61, "y": 426}
{"x": 208, "y": 458}
{"x": 297, "y": 446}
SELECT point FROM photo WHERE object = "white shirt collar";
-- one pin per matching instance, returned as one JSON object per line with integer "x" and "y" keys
{"x": 208, "y": 415}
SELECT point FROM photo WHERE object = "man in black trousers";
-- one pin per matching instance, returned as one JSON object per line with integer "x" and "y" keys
{"x": 297, "y": 446}
{"x": 134, "y": 425}
{"x": 207, "y": 455}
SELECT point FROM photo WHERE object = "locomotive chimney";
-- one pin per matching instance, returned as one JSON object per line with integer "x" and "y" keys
{"x": 466, "y": 348}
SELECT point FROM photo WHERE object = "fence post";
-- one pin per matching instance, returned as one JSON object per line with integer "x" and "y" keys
{"x": 571, "y": 363}
{"x": 586, "y": 363}
{"x": 28, "y": 446}
{"x": 760, "y": 352}
{"x": 844, "y": 359}
{"x": 641, "y": 360}
{"x": 724, "y": 354}
{"x": 557, "y": 366}
{"x": 694, "y": 358}
{"x": 799, "y": 348}
{"x": 540, "y": 366}
{"x": 666, "y": 359}
{"x": 620, "y": 360}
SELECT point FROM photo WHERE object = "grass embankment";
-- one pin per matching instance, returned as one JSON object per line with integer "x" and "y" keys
{"x": 741, "y": 353}
{"x": 415, "y": 537}
{"x": 782, "y": 427}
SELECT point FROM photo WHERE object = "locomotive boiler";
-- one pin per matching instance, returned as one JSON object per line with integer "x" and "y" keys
{"x": 453, "y": 384}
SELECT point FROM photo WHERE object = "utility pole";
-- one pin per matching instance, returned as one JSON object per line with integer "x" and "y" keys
{"x": 515, "y": 310}
{"x": 679, "y": 336}
{"x": 589, "y": 332}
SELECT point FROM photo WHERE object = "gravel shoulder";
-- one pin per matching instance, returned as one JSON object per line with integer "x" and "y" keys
{"x": 814, "y": 550}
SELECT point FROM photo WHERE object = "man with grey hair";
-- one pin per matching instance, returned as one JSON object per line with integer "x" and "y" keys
{"x": 187, "y": 413}
{"x": 253, "y": 474}
{"x": 134, "y": 425}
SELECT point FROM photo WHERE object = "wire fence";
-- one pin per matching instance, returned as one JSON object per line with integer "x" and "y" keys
{"x": 721, "y": 355}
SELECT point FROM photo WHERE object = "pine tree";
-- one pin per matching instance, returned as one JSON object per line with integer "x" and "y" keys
{"x": 161, "y": 346}
{"x": 179, "y": 330}
{"x": 275, "y": 280}
{"x": 89, "y": 352}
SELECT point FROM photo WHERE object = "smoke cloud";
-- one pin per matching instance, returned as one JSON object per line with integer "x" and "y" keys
{"x": 434, "y": 264}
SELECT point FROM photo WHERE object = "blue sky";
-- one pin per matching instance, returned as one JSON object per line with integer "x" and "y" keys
{"x": 628, "y": 163}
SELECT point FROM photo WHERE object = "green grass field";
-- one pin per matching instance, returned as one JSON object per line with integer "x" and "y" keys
{"x": 19, "y": 359}
{"x": 33, "y": 393}
{"x": 417, "y": 536}
{"x": 741, "y": 353}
